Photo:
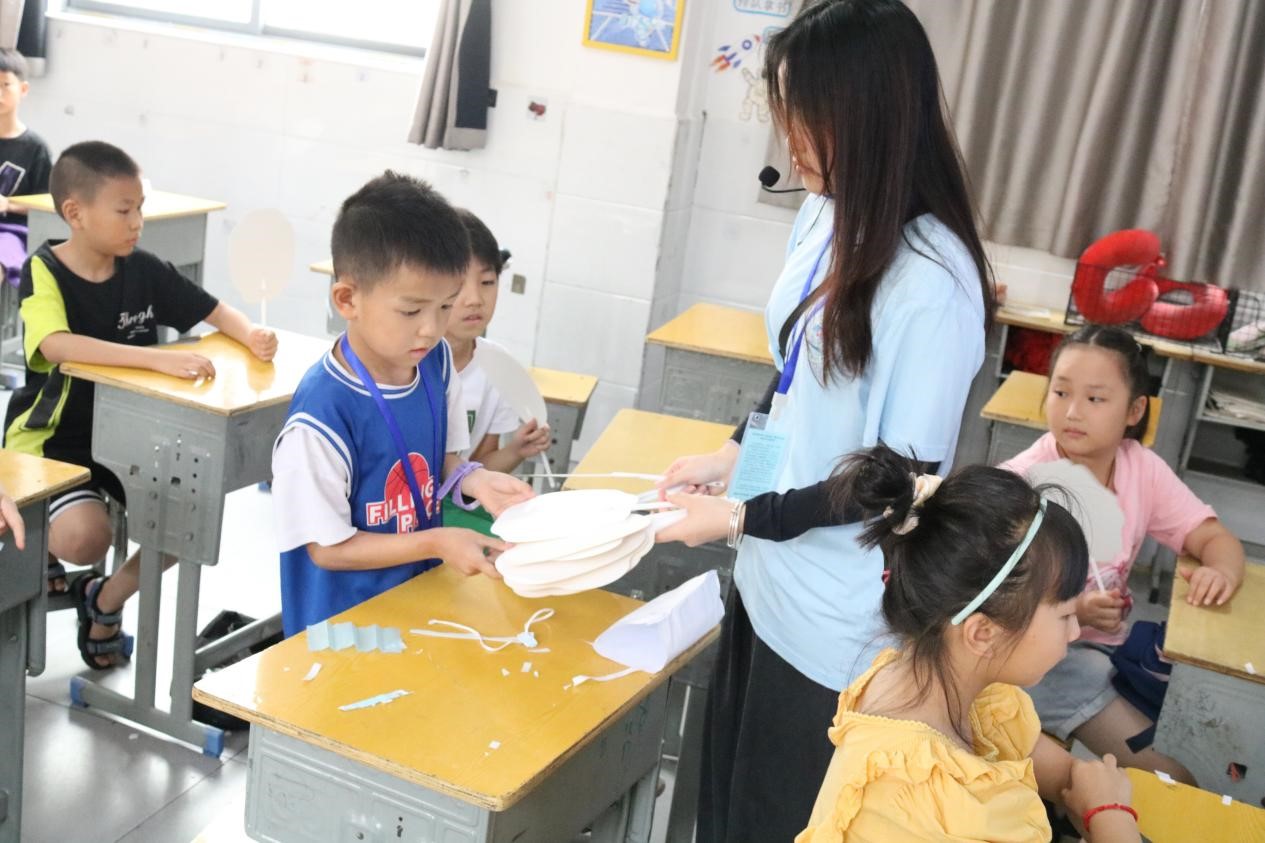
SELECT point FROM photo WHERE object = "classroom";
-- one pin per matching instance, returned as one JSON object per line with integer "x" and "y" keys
{"x": 653, "y": 421}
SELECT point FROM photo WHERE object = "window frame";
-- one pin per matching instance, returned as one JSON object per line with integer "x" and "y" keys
{"x": 254, "y": 26}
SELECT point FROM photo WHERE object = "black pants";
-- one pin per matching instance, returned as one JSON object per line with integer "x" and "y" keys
{"x": 765, "y": 749}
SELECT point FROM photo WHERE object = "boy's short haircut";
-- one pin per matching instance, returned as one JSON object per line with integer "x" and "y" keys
{"x": 483, "y": 245}
{"x": 11, "y": 61}
{"x": 396, "y": 220}
{"x": 82, "y": 168}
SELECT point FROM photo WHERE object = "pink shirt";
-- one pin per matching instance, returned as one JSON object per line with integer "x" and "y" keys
{"x": 1154, "y": 500}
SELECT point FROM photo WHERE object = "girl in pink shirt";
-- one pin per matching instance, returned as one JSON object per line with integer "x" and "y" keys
{"x": 1097, "y": 410}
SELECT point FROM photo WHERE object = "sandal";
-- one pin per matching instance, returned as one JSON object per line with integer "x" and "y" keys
{"x": 57, "y": 571}
{"x": 86, "y": 590}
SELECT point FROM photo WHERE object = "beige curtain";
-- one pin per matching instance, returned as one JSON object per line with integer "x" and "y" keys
{"x": 10, "y": 22}
{"x": 1080, "y": 117}
{"x": 452, "y": 107}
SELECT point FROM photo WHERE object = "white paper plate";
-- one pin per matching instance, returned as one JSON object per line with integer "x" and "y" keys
{"x": 559, "y": 514}
{"x": 593, "y": 578}
{"x": 590, "y": 551}
{"x": 557, "y": 570}
{"x": 584, "y": 542}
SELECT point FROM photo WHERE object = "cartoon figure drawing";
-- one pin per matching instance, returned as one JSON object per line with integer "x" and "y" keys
{"x": 757, "y": 99}
{"x": 645, "y": 23}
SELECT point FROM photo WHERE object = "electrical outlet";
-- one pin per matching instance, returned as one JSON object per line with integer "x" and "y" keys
{"x": 518, "y": 283}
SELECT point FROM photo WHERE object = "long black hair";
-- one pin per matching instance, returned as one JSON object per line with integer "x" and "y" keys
{"x": 965, "y": 533}
{"x": 858, "y": 80}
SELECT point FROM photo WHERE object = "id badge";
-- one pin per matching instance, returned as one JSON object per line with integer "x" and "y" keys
{"x": 759, "y": 460}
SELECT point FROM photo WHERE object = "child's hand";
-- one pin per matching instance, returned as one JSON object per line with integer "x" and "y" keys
{"x": 694, "y": 474}
{"x": 11, "y": 519}
{"x": 262, "y": 343}
{"x": 706, "y": 520}
{"x": 183, "y": 364}
{"x": 1094, "y": 783}
{"x": 496, "y": 491}
{"x": 1103, "y": 610}
{"x": 469, "y": 552}
{"x": 1208, "y": 586}
{"x": 530, "y": 439}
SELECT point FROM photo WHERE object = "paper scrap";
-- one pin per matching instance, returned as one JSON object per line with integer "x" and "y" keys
{"x": 312, "y": 671}
{"x": 1249, "y": 668}
{"x": 340, "y": 636}
{"x": 504, "y": 672}
{"x": 1225, "y": 799}
{"x": 619, "y": 674}
{"x": 540, "y": 650}
{"x": 380, "y": 699}
{"x": 1164, "y": 777}
{"x": 133, "y": 736}
{"x": 526, "y": 667}
{"x": 536, "y": 673}
{"x": 494, "y": 745}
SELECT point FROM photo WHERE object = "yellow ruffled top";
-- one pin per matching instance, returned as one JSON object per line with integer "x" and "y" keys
{"x": 895, "y": 780}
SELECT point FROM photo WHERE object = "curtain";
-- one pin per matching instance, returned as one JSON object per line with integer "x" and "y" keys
{"x": 452, "y": 108}
{"x": 1080, "y": 117}
{"x": 10, "y": 22}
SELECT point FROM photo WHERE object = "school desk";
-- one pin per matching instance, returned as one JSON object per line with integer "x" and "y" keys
{"x": 1214, "y": 711}
{"x": 179, "y": 446}
{"x": 710, "y": 362}
{"x": 647, "y": 443}
{"x": 30, "y": 481}
{"x": 566, "y": 394}
{"x": 175, "y": 227}
{"x": 1178, "y": 813}
{"x": 1017, "y": 413}
{"x": 493, "y": 747}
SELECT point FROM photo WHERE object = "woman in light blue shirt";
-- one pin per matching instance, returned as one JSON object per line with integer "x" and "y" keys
{"x": 877, "y": 326}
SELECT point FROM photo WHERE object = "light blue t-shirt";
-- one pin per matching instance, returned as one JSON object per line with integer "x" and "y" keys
{"x": 815, "y": 599}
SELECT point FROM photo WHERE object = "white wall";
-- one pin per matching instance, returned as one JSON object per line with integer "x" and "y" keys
{"x": 579, "y": 197}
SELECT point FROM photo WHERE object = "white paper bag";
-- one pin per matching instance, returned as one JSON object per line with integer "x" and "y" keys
{"x": 653, "y": 635}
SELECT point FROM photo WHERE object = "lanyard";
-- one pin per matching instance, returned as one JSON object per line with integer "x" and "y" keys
{"x": 393, "y": 426}
{"x": 792, "y": 362}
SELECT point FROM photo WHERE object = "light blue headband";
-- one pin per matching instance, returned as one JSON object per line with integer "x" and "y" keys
{"x": 1005, "y": 569}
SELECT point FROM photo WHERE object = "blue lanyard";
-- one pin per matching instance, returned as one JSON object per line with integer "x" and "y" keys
{"x": 797, "y": 340}
{"x": 393, "y": 427}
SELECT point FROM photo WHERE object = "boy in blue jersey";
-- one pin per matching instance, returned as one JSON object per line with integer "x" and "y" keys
{"x": 347, "y": 524}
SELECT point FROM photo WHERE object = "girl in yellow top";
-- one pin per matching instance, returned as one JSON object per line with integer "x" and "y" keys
{"x": 936, "y": 741}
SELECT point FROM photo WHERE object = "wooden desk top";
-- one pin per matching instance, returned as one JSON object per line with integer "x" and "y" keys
{"x": 569, "y": 388}
{"x": 1178, "y": 813}
{"x": 1222, "y": 638}
{"x": 1020, "y": 315}
{"x": 645, "y": 443}
{"x": 241, "y": 382}
{"x": 325, "y": 267}
{"x": 440, "y": 735}
{"x": 1020, "y": 400}
{"x": 27, "y": 478}
{"x": 159, "y": 205}
{"x": 715, "y": 329}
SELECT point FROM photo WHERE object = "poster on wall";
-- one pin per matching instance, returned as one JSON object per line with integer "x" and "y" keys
{"x": 644, "y": 27}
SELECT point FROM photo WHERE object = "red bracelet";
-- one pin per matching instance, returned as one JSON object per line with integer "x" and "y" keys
{"x": 1114, "y": 806}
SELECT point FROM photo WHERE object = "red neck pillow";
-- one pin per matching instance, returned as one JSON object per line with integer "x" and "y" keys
{"x": 1132, "y": 247}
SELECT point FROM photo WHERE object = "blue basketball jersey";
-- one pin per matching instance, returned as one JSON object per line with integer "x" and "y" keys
{"x": 339, "y": 409}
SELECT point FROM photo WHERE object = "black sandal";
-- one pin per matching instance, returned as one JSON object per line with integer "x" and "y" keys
{"x": 86, "y": 591}
{"x": 57, "y": 571}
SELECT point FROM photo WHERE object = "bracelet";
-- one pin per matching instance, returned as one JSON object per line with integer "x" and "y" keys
{"x": 735, "y": 524}
{"x": 453, "y": 484}
{"x": 1114, "y": 806}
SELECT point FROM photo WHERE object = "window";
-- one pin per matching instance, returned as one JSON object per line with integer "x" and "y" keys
{"x": 397, "y": 26}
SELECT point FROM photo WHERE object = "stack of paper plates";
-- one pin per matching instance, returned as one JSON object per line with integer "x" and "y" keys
{"x": 567, "y": 542}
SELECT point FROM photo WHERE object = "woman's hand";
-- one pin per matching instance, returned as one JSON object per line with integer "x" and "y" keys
{"x": 706, "y": 520}
{"x": 1103, "y": 610}
{"x": 695, "y": 474}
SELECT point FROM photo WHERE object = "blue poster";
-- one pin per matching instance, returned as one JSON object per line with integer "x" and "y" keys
{"x": 649, "y": 26}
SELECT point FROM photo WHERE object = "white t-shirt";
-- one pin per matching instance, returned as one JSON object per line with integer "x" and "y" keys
{"x": 484, "y": 410}
{"x": 311, "y": 486}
